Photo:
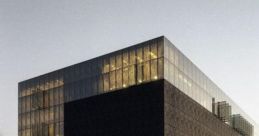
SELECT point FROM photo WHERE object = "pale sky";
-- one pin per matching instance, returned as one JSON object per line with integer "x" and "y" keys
{"x": 38, "y": 36}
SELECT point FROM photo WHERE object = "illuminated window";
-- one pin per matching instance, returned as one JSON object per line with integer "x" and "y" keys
{"x": 112, "y": 63}
{"x": 51, "y": 85}
{"x": 119, "y": 78}
{"x": 140, "y": 73}
{"x": 132, "y": 57}
{"x": 51, "y": 130}
{"x": 146, "y": 53}
{"x": 106, "y": 82}
{"x": 160, "y": 49}
{"x": 153, "y": 52}
{"x": 106, "y": 66}
{"x": 132, "y": 75}
{"x": 139, "y": 55}
{"x": 125, "y": 59}
{"x": 23, "y": 93}
{"x": 146, "y": 71}
{"x": 125, "y": 77}
{"x": 43, "y": 86}
{"x": 154, "y": 69}
{"x": 118, "y": 61}
{"x": 112, "y": 80}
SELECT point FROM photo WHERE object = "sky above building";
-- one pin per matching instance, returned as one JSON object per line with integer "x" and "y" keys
{"x": 39, "y": 36}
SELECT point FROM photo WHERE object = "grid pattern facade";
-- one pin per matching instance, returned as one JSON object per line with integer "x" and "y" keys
{"x": 155, "y": 109}
{"x": 41, "y": 99}
{"x": 242, "y": 125}
{"x": 188, "y": 78}
{"x": 185, "y": 117}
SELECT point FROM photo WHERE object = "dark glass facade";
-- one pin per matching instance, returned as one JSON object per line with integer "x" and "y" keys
{"x": 41, "y": 99}
{"x": 132, "y": 111}
{"x": 155, "y": 108}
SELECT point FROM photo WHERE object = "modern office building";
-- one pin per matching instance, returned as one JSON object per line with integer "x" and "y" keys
{"x": 147, "y": 89}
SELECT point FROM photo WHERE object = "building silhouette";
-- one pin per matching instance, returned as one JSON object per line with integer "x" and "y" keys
{"x": 146, "y": 89}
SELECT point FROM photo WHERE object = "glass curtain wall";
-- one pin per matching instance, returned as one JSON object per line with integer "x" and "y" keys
{"x": 41, "y": 106}
{"x": 41, "y": 109}
{"x": 41, "y": 99}
{"x": 183, "y": 74}
{"x": 180, "y": 71}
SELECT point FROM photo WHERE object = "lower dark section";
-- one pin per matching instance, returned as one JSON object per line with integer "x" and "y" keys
{"x": 185, "y": 117}
{"x": 134, "y": 111}
{"x": 152, "y": 109}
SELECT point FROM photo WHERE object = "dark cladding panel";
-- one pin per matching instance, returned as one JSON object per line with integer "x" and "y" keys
{"x": 134, "y": 111}
{"x": 156, "y": 108}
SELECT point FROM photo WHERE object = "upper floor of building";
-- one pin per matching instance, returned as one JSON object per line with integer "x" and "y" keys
{"x": 144, "y": 62}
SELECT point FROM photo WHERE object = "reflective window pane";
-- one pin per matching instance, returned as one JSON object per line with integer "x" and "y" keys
{"x": 118, "y": 61}
{"x": 154, "y": 69}
{"x": 132, "y": 57}
{"x": 153, "y": 52}
{"x": 106, "y": 81}
{"x": 146, "y": 71}
{"x": 160, "y": 50}
{"x": 132, "y": 75}
{"x": 160, "y": 68}
{"x": 119, "y": 78}
{"x": 140, "y": 73}
{"x": 139, "y": 55}
{"x": 112, "y": 63}
{"x": 112, "y": 80}
{"x": 146, "y": 53}
{"x": 125, "y": 59}
{"x": 125, "y": 77}
{"x": 106, "y": 65}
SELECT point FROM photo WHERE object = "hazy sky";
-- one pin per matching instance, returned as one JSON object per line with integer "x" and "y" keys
{"x": 37, "y": 36}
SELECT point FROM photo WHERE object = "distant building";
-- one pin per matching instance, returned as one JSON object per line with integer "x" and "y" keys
{"x": 147, "y": 89}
